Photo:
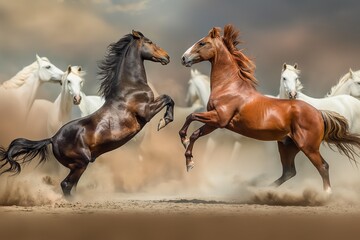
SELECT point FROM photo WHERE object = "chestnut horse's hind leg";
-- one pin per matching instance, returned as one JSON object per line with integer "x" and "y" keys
{"x": 202, "y": 131}
{"x": 73, "y": 178}
{"x": 288, "y": 150}
{"x": 321, "y": 165}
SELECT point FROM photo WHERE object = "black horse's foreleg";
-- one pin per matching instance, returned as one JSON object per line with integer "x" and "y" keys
{"x": 202, "y": 131}
{"x": 158, "y": 104}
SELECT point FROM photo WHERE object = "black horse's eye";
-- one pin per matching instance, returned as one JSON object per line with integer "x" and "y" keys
{"x": 202, "y": 44}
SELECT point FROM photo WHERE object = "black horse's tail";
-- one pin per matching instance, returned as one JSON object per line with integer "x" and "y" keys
{"x": 22, "y": 151}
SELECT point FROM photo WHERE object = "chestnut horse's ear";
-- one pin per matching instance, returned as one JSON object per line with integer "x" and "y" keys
{"x": 284, "y": 66}
{"x": 137, "y": 34}
{"x": 215, "y": 32}
{"x": 296, "y": 66}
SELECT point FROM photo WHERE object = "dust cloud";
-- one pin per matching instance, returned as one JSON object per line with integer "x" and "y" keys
{"x": 153, "y": 167}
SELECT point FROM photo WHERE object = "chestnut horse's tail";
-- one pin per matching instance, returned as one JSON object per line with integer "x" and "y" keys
{"x": 336, "y": 132}
{"x": 22, "y": 150}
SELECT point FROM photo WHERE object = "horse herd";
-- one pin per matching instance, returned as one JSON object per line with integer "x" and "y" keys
{"x": 228, "y": 99}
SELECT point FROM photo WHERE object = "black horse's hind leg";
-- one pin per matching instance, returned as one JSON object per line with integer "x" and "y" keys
{"x": 288, "y": 150}
{"x": 158, "y": 104}
{"x": 72, "y": 179}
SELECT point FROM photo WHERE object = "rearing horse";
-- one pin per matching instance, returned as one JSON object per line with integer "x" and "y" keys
{"x": 235, "y": 104}
{"x": 129, "y": 105}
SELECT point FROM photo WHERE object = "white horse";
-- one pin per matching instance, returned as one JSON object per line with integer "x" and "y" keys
{"x": 60, "y": 112}
{"x": 345, "y": 105}
{"x": 349, "y": 84}
{"x": 18, "y": 94}
{"x": 25, "y": 84}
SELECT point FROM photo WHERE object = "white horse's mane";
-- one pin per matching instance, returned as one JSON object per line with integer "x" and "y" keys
{"x": 19, "y": 79}
{"x": 342, "y": 80}
{"x": 299, "y": 85}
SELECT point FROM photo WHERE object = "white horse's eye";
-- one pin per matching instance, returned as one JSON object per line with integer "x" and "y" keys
{"x": 48, "y": 67}
{"x": 284, "y": 79}
{"x": 68, "y": 81}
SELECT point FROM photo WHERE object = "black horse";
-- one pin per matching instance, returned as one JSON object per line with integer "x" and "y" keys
{"x": 129, "y": 105}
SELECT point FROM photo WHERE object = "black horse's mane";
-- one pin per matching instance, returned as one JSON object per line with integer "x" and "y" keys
{"x": 108, "y": 67}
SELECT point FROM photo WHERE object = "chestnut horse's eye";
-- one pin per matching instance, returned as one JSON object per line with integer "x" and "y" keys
{"x": 202, "y": 44}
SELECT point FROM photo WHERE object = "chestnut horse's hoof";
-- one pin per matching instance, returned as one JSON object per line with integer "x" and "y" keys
{"x": 190, "y": 165}
{"x": 185, "y": 142}
{"x": 162, "y": 123}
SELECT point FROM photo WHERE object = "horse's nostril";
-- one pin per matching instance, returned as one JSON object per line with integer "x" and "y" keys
{"x": 183, "y": 59}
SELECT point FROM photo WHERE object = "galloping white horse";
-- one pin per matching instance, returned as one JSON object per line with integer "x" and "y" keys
{"x": 70, "y": 95}
{"x": 345, "y": 105}
{"x": 17, "y": 96}
{"x": 349, "y": 84}
{"x": 25, "y": 84}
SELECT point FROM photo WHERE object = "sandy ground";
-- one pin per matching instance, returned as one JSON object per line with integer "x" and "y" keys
{"x": 179, "y": 219}
{"x": 125, "y": 196}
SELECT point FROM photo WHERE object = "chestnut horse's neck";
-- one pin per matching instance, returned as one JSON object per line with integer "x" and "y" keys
{"x": 225, "y": 70}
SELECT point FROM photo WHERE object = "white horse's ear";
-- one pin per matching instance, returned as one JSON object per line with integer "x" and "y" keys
{"x": 79, "y": 68}
{"x": 296, "y": 66}
{"x": 69, "y": 69}
{"x": 284, "y": 66}
{"x": 38, "y": 59}
{"x": 192, "y": 72}
{"x": 351, "y": 72}
{"x": 197, "y": 72}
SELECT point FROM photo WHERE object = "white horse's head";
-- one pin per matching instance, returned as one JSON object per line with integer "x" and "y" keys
{"x": 289, "y": 81}
{"x": 354, "y": 87}
{"x": 48, "y": 71}
{"x": 198, "y": 88}
{"x": 73, "y": 82}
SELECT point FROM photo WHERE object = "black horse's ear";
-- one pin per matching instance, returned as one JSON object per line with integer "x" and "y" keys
{"x": 284, "y": 66}
{"x": 214, "y": 32}
{"x": 69, "y": 69}
{"x": 296, "y": 66}
{"x": 137, "y": 34}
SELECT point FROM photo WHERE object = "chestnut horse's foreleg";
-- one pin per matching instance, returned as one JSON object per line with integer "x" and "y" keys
{"x": 288, "y": 150}
{"x": 210, "y": 118}
{"x": 158, "y": 104}
{"x": 202, "y": 131}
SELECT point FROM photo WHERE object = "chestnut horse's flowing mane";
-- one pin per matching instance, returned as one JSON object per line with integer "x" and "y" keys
{"x": 246, "y": 66}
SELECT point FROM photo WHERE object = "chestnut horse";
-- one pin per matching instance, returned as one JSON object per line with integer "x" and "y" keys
{"x": 129, "y": 105}
{"x": 235, "y": 104}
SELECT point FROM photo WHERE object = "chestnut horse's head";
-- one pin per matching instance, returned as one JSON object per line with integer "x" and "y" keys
{"x": 149, "y": 50}
{"x": 202, "y": 50}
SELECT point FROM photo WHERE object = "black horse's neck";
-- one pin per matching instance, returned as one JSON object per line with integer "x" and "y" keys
{"x": 132, "y": 70}
{"x": 130, "y": 73}
{"x": 122, "y": 71}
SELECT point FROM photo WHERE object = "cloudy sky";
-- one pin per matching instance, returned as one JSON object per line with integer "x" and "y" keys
{"x": 323, "y": 37}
